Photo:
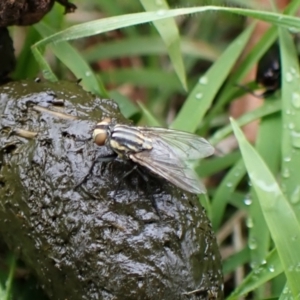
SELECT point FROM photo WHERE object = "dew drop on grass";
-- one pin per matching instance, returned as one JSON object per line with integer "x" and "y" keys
{"x": 296, "y": 139}
{"x": 295, "y": 197}
{"x": 203, "y": 80}
{"x": 286, "y": 290}
{"x": 288, "y": 77}
{"x": 161, "y": 12}
{"x": 291, "y": 125}
{"x": 248, "y": 201}
{"x": 293, "y": 70}
{"x": 252, "y": 244}
{"x": 296, "y": 100}
{"x": 199, "y": 96}
{"x": 249, "y": 222}
{"x": 263, "y": 262}
{"x": 271, "y": 268}
{"x": 229, "y": 184}
{"x": 286, "y": 173}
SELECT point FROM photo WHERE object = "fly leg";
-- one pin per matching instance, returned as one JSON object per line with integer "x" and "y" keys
{"x": 145, "y": 178}
{"x": 123, "y": 177}
{"x": 152, "y": 199}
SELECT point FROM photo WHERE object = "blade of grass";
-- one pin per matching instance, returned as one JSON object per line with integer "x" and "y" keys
{"x": 224, "y": 192}
{"x": 290, "y": 119}
{"x": 278, "y": 213}
{"x": 259, "y": 235}
{"x": 150, "y": 45}
{"x": 268, "y": 108}
{"x": 201, "y": 97}
{"x": 238, "y": 259}
{"x": 269, "y": 269}
{"x": 27, "y": 66}
{"x": 143, "y": 77}
{"x": 252, "y": 58}
{"x": 127, "y": 108}
{"x": 151, "y": 120}
{"x": 117, "y": 22}
{"x": 69, "y": 55}
{"x": 169, "y": 33}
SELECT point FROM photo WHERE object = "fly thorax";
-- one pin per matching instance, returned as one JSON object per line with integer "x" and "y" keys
{"x": 125, "y": 140}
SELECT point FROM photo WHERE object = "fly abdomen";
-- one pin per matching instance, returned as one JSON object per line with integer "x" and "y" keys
{"x": 125, "y": 139}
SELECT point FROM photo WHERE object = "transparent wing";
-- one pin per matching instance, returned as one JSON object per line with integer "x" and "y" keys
{"x": 163, "y": 161}
{"x": 187, "y": 146}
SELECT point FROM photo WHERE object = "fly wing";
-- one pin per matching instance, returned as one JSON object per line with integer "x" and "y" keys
{"x": 163, "y": 161}
{"x": 187, "y": 146}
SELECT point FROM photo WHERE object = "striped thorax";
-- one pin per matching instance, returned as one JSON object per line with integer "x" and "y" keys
{"x": 123, "y": 139}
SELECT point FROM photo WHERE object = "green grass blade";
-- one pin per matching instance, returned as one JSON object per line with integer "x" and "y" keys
{"x": 149, "y": 45}
{"x": 150, "y": 78}
{"x": 117, "y": 22}
{"x": 201, "y": 97}
{"x": 151, "y": 120}
{"x": 127, "y": 108}
{"x": 259, "y": 235}
{"x": 279, "y": 215}
{"x": 269, "y": 107}
{"x": 224, "y": 192}
{"x": 169, "y": 33}
{"x": 68, "y": 55}
{"x": 27, "y": 66}
{"x": 290, "y": 119}
{"x": 269, "y": 269}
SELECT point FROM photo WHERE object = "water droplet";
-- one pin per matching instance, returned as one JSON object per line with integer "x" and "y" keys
{"x": 249, "y": 222}
{"x": 248, "y": 201}
{"x": 271, "y": 268}
{"x": 253, "y": 265}
{"x": 288, "y": 77}
{"x": 287, "y": 159}
{"x": 295, "y": 197}
{"x": 252, "y": 244}
{"x": 203, "y": 80}
{"x": 256, "y": 271}
{"x": 291, "y": 268}
{"x": 286, "y": 290}
{"x": 288, "y": 112}
{"x": 296, "y": 100}
{"x": 199, "y": 96}
{"x": 286, "y": 173}
{"x": 263, "y": 262}
{"x": 87, "y": 73}
{"x": 291, "y": 125}
{"x": 296, "y": 139}
{"x": 229, "y": 184}
{"x": 161, "y": 12}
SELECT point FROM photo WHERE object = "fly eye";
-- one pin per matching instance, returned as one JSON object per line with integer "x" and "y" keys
{"x": 99, "y": 136}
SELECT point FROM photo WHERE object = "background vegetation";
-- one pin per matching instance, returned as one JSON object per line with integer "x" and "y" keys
{"x": 183, "y": 73}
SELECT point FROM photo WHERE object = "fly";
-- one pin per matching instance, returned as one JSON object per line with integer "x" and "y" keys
{"x": 166, "y": 152}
